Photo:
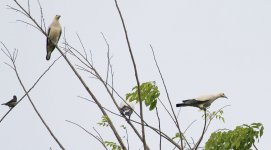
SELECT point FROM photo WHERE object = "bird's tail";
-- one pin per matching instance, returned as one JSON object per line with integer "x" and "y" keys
{"x": 48, "y": 56}
{"x": 182, "y": 105}
{"x": 4, "y": 104}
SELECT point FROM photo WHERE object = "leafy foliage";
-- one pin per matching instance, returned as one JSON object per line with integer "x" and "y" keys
{"x": 215, "y": 114}
{"x": 241, "y": 138}
{"x": 104, "y": 121}
{"x": 177, "y": 136}
{"x": 149, "y": 94}
{"x": 112, "y": 145}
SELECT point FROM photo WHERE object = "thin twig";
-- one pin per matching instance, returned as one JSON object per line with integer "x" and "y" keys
{"x": 88, "y": 132}
{"x": 203, "y": 131}
{"x": 159, "y": 125}
{"x": 165, "y": 108}
{"x": 42, "y": 20}
{"x": 213, "y": 116}
{"x": 186, "y": 130}
{"x": 86, "y": 56}
{"x": 98, "y": 134}
{"x": 28, "y": 24}
{"x": 108, "y": 58}
{"x": 28, "y": 6}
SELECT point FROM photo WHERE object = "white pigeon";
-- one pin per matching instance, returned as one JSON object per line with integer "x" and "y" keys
{"x": 127, "y": 108}
{"x": 12, "y": 102}
{"x": 54, "y": 33}
{"x": 202, "y": 102}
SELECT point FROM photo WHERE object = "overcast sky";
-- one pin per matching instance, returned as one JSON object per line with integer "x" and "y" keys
{"x": 202, "y": 47}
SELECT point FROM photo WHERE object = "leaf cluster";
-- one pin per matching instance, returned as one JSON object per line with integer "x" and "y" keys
{"x": 149, "y": 94}
{"x": 241, "y": 138}
{"x": 104, "y": 121}
{"x": 215, "y": 114}
{"x": 112, "y": 145}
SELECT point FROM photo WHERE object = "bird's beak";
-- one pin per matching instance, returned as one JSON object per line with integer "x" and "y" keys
{"x": 225, "y": 97}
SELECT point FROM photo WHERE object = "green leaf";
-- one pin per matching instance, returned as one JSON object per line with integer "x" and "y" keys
{"x": 153, "y": 105}
{"x": 149, "y": 94}
{"x": 112, "y": 145}
{"x": 104, "y": 121}
{"x": 177, "y": 135}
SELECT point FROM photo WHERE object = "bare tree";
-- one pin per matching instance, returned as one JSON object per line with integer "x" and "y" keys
{"x": 84, "y": 62}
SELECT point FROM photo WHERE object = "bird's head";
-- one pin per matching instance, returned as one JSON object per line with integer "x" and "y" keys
{"x": 15, "y": 97}
{"x": 222, "y": 95}
{"x": 57, "y": 17}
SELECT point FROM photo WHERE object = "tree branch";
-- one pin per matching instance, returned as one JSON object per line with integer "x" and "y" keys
{"x": 203, "y": 131}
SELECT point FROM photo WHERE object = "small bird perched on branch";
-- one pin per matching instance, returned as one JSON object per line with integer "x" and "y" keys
{"x": 127, "y": 108}
{"x": 54, "y": 33}
{"x": 12, "y": 102}
{"x": 202, "y": 102}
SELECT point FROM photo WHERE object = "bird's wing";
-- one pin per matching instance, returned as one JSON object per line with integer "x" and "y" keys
{"x": 9, "y": 102}
{"x": 193, "y": 102}
{"x": 59, "y": 34}
{"x": 48, "y": 40}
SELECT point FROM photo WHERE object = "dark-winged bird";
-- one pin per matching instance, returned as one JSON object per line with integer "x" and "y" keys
{"x": 202, "y": 102}
{"x": 12, "y": 102}
{"x": 54, "y": 33}
{"x": 127, "y": 108}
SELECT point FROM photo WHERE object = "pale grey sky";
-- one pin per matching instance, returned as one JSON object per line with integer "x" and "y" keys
{"x": 203, "y": 47}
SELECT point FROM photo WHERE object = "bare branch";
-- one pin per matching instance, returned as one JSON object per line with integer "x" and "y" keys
{"x": 108, "y": 58}
{"x": 165, "y": 108}
{"x": 86, "y": 56}
{"x": 28, "y": 6}
{"x": 159, "y": 125}
{"x": 28, "y": 24}
{"x": 88, "y": 132}
{"x": 42, "y": 20}
{"x": 203, "y": 131}
{"x": 17, "y": 10}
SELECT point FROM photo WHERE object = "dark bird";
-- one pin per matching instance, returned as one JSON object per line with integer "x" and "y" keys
{"x": 54, "y": 33}
{"x": 202, "y": 102}
{"x": 127, "y": 108}
{"x": 12, "y": 102}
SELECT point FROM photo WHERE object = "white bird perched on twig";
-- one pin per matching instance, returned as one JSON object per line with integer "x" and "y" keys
{"x": 127, "y": 108}
{"x": 12, "y": 102}
{"x": 54, "y": 33}
{"x": 202, "y": 102}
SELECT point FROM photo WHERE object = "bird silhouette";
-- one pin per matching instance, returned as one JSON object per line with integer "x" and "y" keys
{"x": 202, "y": 102}
{"x": 127, "y": 108}
{"x": 12, "y": 102}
